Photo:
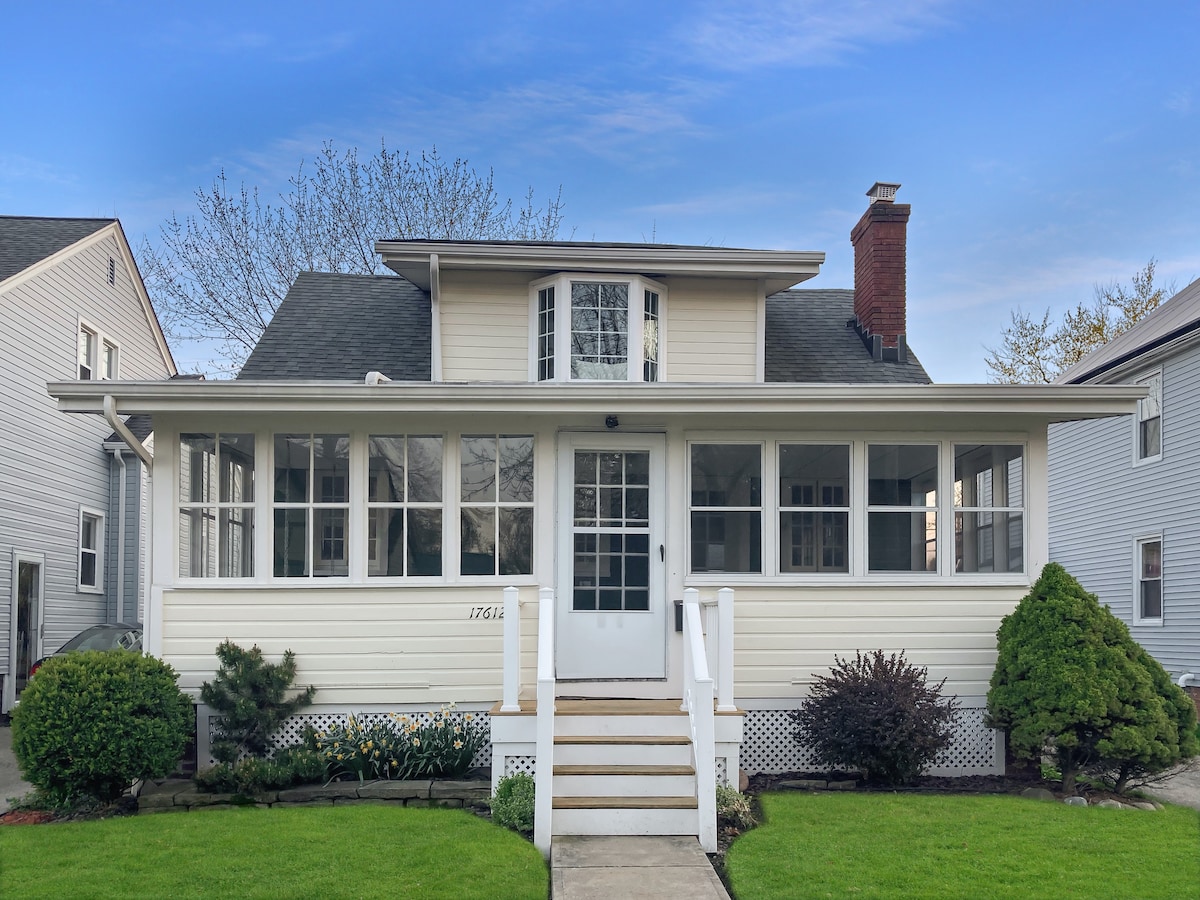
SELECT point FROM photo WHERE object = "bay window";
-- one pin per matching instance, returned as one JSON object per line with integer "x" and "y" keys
{"x": 588, "y": 328}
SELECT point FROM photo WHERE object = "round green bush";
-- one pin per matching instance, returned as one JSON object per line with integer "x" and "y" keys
{"x": 90, "y": 724}
{"x": 512, "y": 806}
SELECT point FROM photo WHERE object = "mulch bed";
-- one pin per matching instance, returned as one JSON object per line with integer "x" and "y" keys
{"x": 126, "y": 806}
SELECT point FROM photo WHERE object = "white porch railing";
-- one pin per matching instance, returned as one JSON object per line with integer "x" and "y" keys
{"x": 510, "y": 701}
{"x": 543, "y": 802}
{"x": 698, "y": 696}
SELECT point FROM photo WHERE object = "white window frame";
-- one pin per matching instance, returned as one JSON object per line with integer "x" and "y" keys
{"x": 107, "y": 372}
{"x": 94, "y": 360}
{"x": 86, "y": 513}
{"x": 561, "y": 282}
{"x": 1138, "y": 543}
{"x": 1146, "y": 379}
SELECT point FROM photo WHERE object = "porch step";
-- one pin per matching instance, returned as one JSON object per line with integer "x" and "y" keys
{"x": 624, "y": 802}
{"x": 628, "y": 781}
{"x": 624, "y": 820}
{"x": 624, "y": 770}
{"x": 622, "y": 750}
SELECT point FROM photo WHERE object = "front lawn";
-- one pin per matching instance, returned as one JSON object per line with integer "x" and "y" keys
{"x": 336, "y": 851}
{"x": 921, "y": 845}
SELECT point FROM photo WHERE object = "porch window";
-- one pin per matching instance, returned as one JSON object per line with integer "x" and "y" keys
{"x": 496, "y": 497}
{"x": 216, "y": 505}
{"x": 989, "y": 508}
{"x": 1149, "y": 420}
{"x": 814, "y": 507}
{"x": 91, "y": 533}
{"x": 404, "y": 505}
{"x": 311, "y": 505}
{"x": 902, "y": 504}
{"x": 612, "y": 333}
{"x": 1148, "y": 589}
{"x": 726, "y": 508}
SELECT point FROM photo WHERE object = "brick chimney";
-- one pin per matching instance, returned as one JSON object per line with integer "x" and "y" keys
{"x": 879, "y": 241}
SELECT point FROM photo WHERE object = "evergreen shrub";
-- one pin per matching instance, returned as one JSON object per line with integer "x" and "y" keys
{"x": 512, "y": 804}
{"x": 89, "y": 724}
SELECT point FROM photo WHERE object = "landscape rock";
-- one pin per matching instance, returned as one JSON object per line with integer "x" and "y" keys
{"x": 1075, "y": 801}
{"x": 804, "y": 784}
{"x": 395, "y": 790}
{"x": 1111, "y": 804}
{"x": 1038, "y": 794}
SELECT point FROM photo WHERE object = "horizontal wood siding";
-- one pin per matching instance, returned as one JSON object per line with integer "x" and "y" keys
{"x": 711, "y": 330}
{"x": 485, "y": 326}
{"x": 51, "y": 462}
{"x": 1100, "y": 502}
{"x": 360, "y": 646}
{"x": 784, "y": 637}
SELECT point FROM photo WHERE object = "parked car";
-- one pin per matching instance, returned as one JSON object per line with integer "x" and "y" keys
{"x": 99, "y": 637}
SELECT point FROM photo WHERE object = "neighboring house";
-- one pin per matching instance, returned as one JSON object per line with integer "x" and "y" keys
{"x": 1124, "y": 493}
{"x": 605, "y": 427}
{"x": 72, "y": 540}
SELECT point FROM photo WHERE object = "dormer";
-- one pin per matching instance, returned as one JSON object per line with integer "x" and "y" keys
{"x": 596, "y": 312}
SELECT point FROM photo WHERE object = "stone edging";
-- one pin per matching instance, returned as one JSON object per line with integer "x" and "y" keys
{"x": 817, "y": 784}
{"x": 183, "y": 796}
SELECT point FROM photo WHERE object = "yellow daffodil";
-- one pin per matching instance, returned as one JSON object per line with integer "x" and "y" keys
{"x": 458, "y": 745}
{"x": 416, "y": 742}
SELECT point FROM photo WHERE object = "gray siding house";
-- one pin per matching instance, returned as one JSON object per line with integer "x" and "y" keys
{"x": 1124, "y": 492}
{"x": 72, "y": 493}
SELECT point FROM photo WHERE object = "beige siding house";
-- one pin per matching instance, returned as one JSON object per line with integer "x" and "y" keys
{"x": 625, "y": 500}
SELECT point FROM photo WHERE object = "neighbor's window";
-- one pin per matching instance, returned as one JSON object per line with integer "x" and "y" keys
{"x": 902, "y": 507}
{"x": 814, "y": 507}
{"x": 108, "y": 360}
{"x": 216, "y": 505}
{"x": 989, "y": 529}
{"x": 613, "y": 331}
{"x": 1149, "y": 419}
{"x": 496, "y": 513}
{"x": 88, "y": 342}
{"x": 91, "y": 531}
{"x": 311, "y": 505}
{"x": 726, "y": 507}
{"x": 1149, "y": 580}
{"x": 404, "y": 505}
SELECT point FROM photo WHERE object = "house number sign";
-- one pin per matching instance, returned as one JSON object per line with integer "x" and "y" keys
{"x": 486, "y": 612}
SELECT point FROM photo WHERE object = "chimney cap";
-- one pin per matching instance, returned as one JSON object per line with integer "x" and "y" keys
{"x": 883, "y": 191}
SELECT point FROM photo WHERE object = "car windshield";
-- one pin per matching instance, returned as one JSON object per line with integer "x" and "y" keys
{"x": 104, "y": 639}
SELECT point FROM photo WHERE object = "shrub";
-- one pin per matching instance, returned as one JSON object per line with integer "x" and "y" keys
{"x": 733, "y": 808}
{"x": 289, "y": 767}
{"x": 91, "y": 723}
{"x": 250, "y": 697}
{"x": 512, "y": 804}
{"x": 876, "y": 713}
{"x": 1070, "y": 681}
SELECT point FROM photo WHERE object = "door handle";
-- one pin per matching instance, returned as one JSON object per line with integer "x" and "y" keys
{"x": 662, "y": 553}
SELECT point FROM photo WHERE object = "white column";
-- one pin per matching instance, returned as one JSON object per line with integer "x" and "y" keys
{"x": 725, "y": 651}
{"x": 512, "y": 651}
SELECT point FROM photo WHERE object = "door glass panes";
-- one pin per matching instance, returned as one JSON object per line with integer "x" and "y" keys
{"x": 496, "y": 518}
{"x": 29, "y": 614}
{"x": 726, "y": 508}
{"x": 814, "y": 503}
{"x": 989, "y": 483}
{"x": 599, "y": 331}
{"x": 902, "y": 507}
{"x": 612, "y": 531}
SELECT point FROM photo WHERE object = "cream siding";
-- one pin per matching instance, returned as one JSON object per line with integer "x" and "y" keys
{"x": 53, "y": 463}
{"x": 485, "y": 326}
{"x": 711, "y": 330}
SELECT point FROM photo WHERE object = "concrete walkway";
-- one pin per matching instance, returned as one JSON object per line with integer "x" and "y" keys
{"x": 649, "y": 868}
{"x": 11, "y": 784}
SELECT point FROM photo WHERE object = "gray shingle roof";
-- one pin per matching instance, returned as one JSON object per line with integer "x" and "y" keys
{"x": 340, "y": 327}
{"x": 26, "y": 240}
{"x": 809, "y": 342}
{"x": 1172, "y": 319}
{"x": 142, "y": 427}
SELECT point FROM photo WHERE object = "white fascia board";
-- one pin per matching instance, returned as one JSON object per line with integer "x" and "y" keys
{"x": 1044, "y": 403}
{"x": 779, "y": 269}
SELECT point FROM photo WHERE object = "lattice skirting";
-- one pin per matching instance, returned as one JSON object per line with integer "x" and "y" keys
{"x": 768, "y": 747}
{"x": 292, "y": 731}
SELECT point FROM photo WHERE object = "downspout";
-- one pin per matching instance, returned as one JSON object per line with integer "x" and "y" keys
{"x": 435, "y": 319}
{"x": 119, "y": 456}
{"x": 115, "y": 423}
{"x": 1186, "y": 679}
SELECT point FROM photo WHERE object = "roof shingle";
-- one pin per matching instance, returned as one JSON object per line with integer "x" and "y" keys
{"x": 27, "y": 240}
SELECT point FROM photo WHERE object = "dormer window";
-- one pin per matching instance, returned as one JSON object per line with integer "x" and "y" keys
{"x": 595, "y": 328}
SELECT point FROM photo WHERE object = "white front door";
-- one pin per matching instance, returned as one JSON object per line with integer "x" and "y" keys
{"x": 612, "y": 610}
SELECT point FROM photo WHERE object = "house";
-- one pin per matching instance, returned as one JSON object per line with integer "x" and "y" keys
{"x": 578, "y": 486}
{"x": 72, "y": 541}
{"x": 1124, "y": 498}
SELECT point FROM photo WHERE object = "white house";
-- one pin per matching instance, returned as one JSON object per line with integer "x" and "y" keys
{"x": 610, "y": 429}
{"x": 1124, "y": 498}
{"x": 72, "y": 547}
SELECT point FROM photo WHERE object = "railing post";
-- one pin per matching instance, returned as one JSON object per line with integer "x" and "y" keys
{"x": 725, "y": 651}
{"x": 543, "y": 792}
{"x": 691, "y": 596}
{"x": 512, "y": 651}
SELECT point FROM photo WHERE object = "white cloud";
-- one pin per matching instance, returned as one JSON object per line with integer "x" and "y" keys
{"x": 1179, "y": 102}
{"x": 744, "y": 34}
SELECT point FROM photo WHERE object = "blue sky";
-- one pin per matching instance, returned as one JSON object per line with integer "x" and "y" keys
{"x": 1045, "y": 147}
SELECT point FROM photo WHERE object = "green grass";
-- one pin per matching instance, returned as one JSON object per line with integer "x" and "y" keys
{"x": 920, "y": 845}
{"x": 336, "y": 851}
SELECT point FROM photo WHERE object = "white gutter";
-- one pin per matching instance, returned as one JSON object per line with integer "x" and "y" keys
{"x": 435, "y": 319}
{"x": 115, "y": 423}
